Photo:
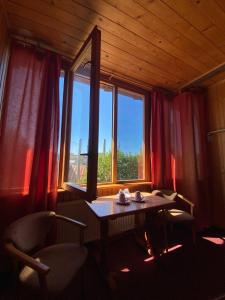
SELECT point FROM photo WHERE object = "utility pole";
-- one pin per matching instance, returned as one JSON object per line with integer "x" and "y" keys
{"x": 79, "y": 157}
{"x": 104, "y": 146}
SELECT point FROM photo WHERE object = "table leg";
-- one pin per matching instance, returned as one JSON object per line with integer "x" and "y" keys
{"x": 165, "y": 231}
{"x": 148, "y": 238}
{"x": 140, "y": 233}
{"x": 108, "y": 276}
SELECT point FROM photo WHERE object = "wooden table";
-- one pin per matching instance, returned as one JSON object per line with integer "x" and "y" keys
{"x": 106, "y": 208}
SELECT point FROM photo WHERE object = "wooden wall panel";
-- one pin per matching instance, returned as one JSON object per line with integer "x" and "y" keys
{"x": 216, "y": 116}
{"x": 3, "y": 50}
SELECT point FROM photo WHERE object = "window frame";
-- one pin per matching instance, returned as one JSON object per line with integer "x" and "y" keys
{"x": 143, "y": 133}
{"x": 120, "y": 84}
{"x": 116, "y": 84}
{"x": 112, "y": 139}
{"x": 93, "y": 41}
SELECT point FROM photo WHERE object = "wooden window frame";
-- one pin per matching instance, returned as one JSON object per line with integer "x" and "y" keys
{"x": 118, "y": 84}
{"x": 89, "y": 193}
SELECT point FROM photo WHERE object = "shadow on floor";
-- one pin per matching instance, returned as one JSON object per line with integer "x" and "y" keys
{"x": 186, "y": 272}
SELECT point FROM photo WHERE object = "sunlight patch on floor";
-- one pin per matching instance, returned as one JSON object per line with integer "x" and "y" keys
{"x": 149, "y": 259}
{"x": 214, "y": 240}
{"x": 125, "y": 270}
{"x": 173, "y": 248}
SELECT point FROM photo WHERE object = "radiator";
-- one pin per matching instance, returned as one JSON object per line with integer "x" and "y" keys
{"x": 80, "y": 211}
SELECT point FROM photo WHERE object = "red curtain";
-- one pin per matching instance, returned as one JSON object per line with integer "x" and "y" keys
{"x": 29, "y": 133}
{"x": 178, "y": 148}
{"x": 190, "y": 151}
{"x": 160, "y": 140}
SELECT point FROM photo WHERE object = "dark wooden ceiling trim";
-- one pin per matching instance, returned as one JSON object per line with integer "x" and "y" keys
{"x": 199, "y": 80}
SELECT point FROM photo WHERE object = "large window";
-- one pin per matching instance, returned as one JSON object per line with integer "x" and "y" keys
{"x": 121, "y": 138}
{"x": 104, "y": 126}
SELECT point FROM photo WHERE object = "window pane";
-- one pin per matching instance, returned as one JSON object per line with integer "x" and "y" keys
{"x": 130, "y": 136}
{"x": 78, "y": 159}
{"x": 105, "y": 134}
{"x": 80, "y": 117}
{"x": 61, "y": 89}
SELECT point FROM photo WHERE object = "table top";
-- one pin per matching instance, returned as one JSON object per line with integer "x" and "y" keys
{"x": 107, "y": 207}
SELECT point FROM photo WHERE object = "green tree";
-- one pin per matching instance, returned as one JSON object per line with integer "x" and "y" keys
{"x": 127, "y": 166}
{"x": 104, "y": 167}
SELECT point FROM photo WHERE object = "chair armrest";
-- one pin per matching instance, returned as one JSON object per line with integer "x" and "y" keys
{"x": 188, "y": 202}
{"x": 81, "y": 225}
{"x": 26, "y": 259}
{"x": 72, "y": 221}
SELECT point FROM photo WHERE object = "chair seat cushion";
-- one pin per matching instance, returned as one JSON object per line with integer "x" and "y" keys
{"x": 64, "y": 260}
{"x": 176, "y": 215}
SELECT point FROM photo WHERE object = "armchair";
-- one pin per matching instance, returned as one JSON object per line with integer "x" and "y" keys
{"x": 183, "y": 213}
{"x": 44, "y": 272}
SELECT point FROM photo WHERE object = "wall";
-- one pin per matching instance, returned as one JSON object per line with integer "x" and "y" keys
{"x": 216, "y": 142}
{"x": 3, "y": 50}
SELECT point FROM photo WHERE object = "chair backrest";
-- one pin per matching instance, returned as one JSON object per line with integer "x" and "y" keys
{"x": 167, "y": 192}
{"x": 31, "y": 231}
{"x": 181, "y": 202}
{"x": 170, "y": 194}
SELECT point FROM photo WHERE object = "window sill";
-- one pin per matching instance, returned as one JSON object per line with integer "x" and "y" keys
{"x": 110, "y": 189}
{"x": 123, "y": 184}
{"x": 107, "y": 185}
{"x": 67, "y": 191}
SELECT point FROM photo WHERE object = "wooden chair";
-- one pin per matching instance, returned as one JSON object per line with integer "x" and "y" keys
{"x": 182, "y": 214}
{"x": 50, "y": 272}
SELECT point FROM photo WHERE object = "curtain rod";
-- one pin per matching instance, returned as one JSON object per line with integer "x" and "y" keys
{"x": 31, "y": 42}
{"x": 130, "y": 80}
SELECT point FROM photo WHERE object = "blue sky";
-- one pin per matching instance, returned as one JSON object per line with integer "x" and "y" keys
{"x": 130, "y": 119}
{"x": 130, "y": 123}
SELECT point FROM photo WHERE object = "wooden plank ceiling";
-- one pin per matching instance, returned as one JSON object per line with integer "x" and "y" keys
{"x": 156, "y": 42}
